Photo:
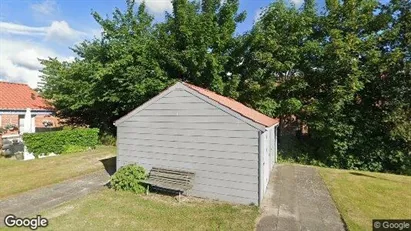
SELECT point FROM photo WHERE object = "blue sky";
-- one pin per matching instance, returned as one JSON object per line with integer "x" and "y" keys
{"x": 47, "y": 28}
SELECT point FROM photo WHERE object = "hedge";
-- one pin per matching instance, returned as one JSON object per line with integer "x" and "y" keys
{"x": 61, "y": 142}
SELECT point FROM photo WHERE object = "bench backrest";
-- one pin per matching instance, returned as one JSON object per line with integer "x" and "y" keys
{"x": 181, "y": 179}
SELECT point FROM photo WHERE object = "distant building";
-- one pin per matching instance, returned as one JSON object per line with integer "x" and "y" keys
{"x": 18, "y": 102}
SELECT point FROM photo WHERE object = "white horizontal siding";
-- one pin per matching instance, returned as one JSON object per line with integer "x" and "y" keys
{"x": 205, "y": 160}
{"x": 179, "y": 93}
{"x": 181, "y": 131}
{"x": 212, "y": 186}
{"x": 183, "y": 119}
{"x": 191, "y": 126}
{"x": 185, "y": 106}
{"x": 136, "y": 149}
{"x": 180, "y": 112}
{"x": 190, "y": 145}
{"x": 195, "y": 139}
{"x": 191, "y": 165}
{"x": 188, "y": 132}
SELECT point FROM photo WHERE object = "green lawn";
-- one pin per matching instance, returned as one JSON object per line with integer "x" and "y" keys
{"x": 20, "y": 176}
{"x": 363, "y": 196}
{"x": 359, "y": 196}
{"x": 116, "y": 210}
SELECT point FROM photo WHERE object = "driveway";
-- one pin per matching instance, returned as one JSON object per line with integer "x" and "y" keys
{"x": 297, "y": 199}
{"x": 34, "y": 201}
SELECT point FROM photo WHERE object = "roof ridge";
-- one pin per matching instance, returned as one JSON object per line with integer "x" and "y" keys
{"x": 236, "y": 106}
{"x": 24, "y": 84}
{"x": 214, "y": 92}
{"x": 227, "y": 97}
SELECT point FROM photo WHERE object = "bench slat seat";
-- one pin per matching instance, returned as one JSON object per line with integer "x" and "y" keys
{"x": 170, "y": 179}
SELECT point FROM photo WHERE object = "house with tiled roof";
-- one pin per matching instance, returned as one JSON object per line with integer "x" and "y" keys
{"x": 23, "y": 110}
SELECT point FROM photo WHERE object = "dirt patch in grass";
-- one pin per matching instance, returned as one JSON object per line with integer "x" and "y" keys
{"x": 60, "y": 211}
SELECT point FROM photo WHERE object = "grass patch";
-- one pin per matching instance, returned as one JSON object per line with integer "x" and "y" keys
{"x": 121, "y": 210}
{"x": 363, "y": 196}
{"x": 20, "y": 176}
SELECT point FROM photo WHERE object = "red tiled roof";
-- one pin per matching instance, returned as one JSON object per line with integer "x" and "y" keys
{"x": 18, "y": 96}
{"x": 236, "y": 106}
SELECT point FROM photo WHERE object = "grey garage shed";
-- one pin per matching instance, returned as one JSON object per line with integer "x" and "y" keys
{"x": 231, "y": 148}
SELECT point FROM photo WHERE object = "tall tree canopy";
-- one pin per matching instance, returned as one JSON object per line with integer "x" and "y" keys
{"x": 135, "y": 59}
{"x": 111, "y": 75}
{"x": 342, "y": 71}
{"x": 198, "y": 42}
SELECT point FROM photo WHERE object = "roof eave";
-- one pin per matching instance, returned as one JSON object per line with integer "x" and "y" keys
{"x": 259, "y": 126}
{"x": 252, "y": 123}
{"x": 23, "y": 109}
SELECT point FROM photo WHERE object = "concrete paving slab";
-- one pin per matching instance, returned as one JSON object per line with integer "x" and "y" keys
{"x": 297, "y": 199}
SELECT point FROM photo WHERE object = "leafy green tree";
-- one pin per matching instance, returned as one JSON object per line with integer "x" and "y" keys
{"x": 272, "y": 57}
{"x": 383, "y": 122}
{"x": 135, "y": 59}
{"x": 113, "y": 74}
{"x": 343, "y": 72}
{"x": 345, "y": 42}
{"x": 197, "y": 43}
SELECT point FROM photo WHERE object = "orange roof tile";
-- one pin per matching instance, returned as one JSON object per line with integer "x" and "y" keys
{"x": 18, "y": 96}
{"x": 236, "y": 106}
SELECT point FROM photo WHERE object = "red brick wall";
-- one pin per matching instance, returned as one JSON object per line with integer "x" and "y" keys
{"x": 14, "y": 119}
{"x": 40, "y": 118}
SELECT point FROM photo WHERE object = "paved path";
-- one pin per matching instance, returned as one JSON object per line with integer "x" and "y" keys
{"x": 297, "y": 199}
{"x": 34, "y": 201}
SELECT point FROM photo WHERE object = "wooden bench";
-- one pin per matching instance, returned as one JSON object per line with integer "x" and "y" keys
{"x": 170, "y": 179}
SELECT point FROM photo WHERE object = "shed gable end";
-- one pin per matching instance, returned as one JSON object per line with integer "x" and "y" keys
{"x": 182, "y": 131}
{"x": 180, "y": 106}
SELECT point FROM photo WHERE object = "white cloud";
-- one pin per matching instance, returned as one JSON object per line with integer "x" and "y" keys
{"x": 19, "y": 60}
{"x": 157, "y": 6}
{"x": 297, "y": 2}
{"x": 47, "y": 7}
{"x": 68, "y": 59}
{"x": 12, "y": 28}
{"x": 57, "y": 31}
{"x": 60, "y": 30}
{"x": 27, "y": 58}
{"x": 258, "y": 14}
{"x": 96, "y": 33}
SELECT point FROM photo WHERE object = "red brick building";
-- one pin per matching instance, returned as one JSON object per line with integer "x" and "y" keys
{"x": 16, "y": 100}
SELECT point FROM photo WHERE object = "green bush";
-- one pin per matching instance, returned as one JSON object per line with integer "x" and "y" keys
{"x": 107, "y": 139}
{"x": 60, "y": 142}
{"x": 128, "y": 178}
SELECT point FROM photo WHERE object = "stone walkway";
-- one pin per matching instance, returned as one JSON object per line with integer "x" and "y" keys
{"x": 297, "y": 199}
{"x": 34, "y": 201}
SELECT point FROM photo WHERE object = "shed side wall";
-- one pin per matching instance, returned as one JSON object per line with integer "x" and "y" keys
{"x": 181, "y": 131}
